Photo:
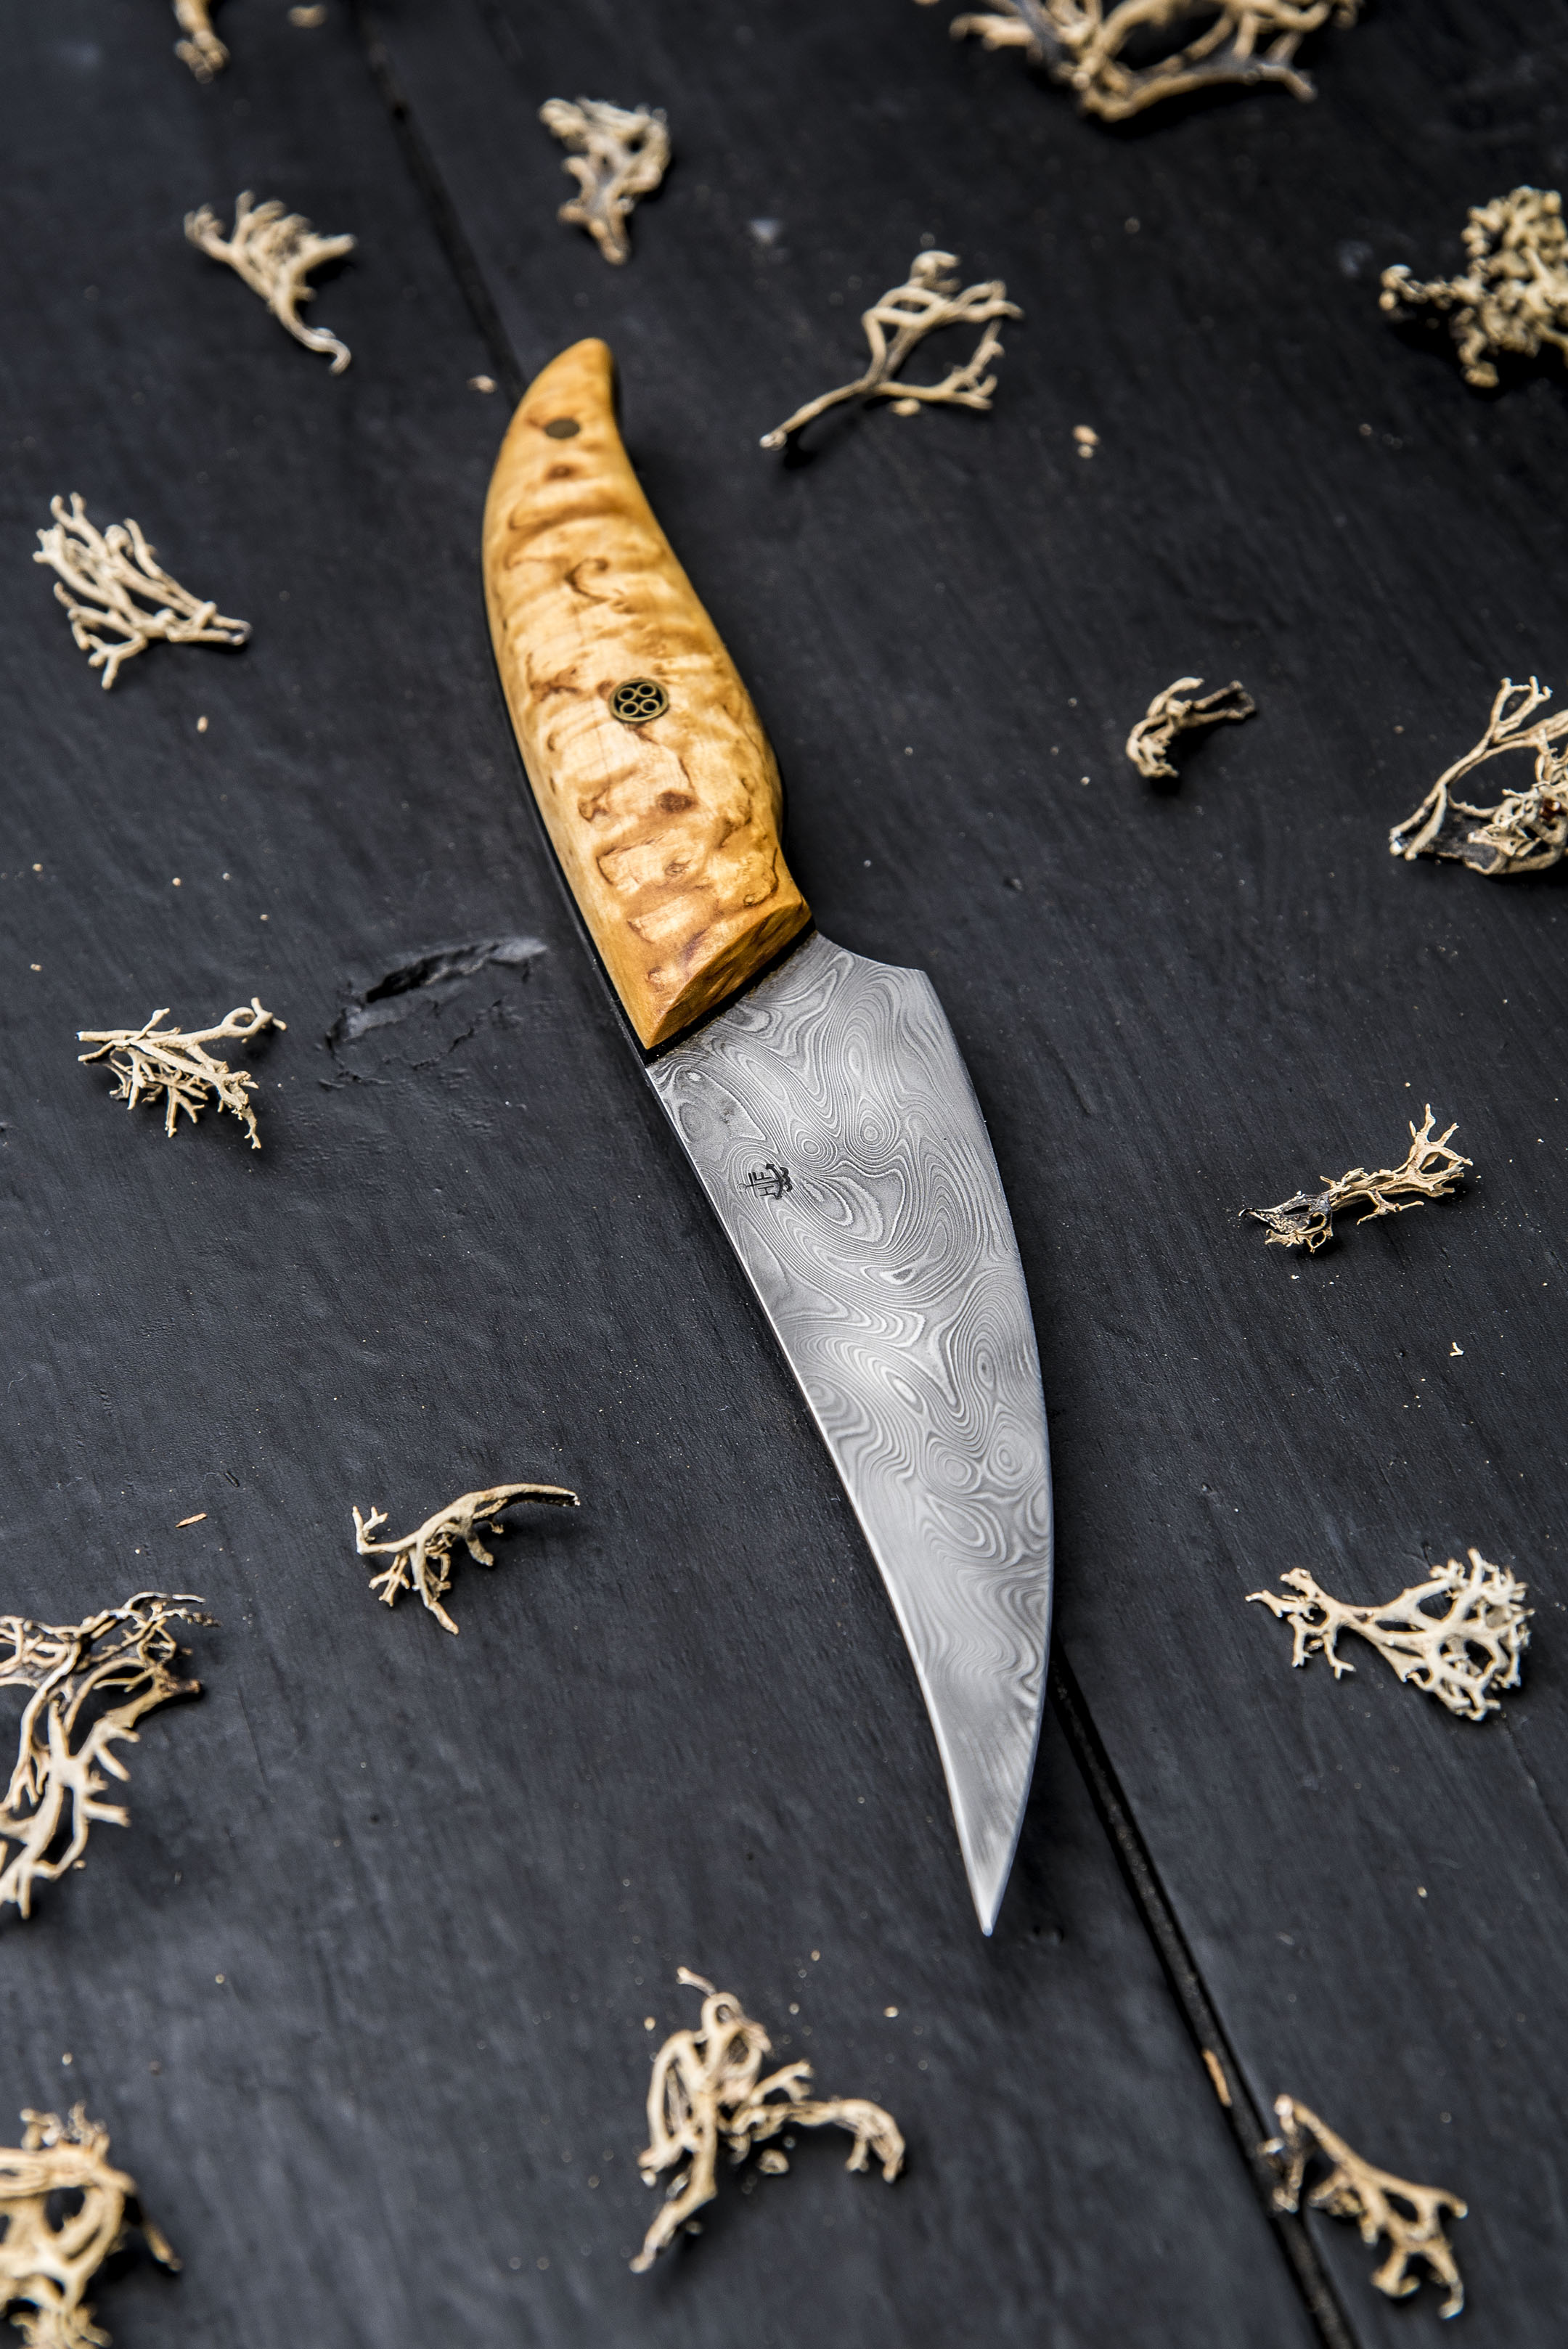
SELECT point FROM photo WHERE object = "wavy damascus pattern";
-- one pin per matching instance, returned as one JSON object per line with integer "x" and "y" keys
{"x": 834, "y": 1127}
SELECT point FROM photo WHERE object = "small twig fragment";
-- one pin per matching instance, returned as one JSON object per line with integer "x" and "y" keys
{"x": 1408, "y": 2218}
{"x": 616, "y": 157}
{"x": 422, "y": 1560}
{"x": 1432, "y": 1170}
{"x": 1513, "y": 299}
{"x": 200, "y": 47}
{"x": 108, "y": 579}
{"x": 1176, "y": 711}
{"x": 1467, "y": 1655}
{"x": 930, "y": 299}
{"x": 1081, "y": 43}
{"x": 275, "y": 252}
{"x": 705, "y": 2087}
{"x": 1523, "y": 831}
{"x": 56, "y": 1786}
{"x": 151, "y": 1060}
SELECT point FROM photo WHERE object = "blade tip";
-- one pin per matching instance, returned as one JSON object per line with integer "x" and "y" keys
{"x": 986, "y": 1892}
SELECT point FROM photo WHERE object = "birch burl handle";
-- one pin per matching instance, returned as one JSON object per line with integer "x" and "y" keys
{"x": 666, "y": 817}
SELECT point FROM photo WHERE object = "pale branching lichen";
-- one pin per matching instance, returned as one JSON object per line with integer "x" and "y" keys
{"x": 1119, "y": 55}
{"x": 1176, "y": 711}
{"x": 1408, "y": 2218}
{"x": 198, "y": 46}
{"x": 1513, "y": 299}
{"x": 150, "y": 1061}
{"x": 422, "y": 1560}
{"x": 1523, "y": 831}
{"x": 111, "y": 580}
{"x": 929, "y": 299}
{"x": 275, "y": 253}
{"x": 617, "y": 156}
{"x": 65, "y": 2211}
{"x": 1459, "y": 1635}
{"x": 705, "y": 2087}
{"x": 90, "y": 1683}
{"x": 1430, "y": 1171}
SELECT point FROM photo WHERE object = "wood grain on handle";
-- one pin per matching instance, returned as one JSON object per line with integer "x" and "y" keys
{"x": 668, "y": 829}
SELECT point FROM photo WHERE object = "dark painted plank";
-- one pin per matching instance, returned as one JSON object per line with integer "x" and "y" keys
{"x": 445, "y": 1882}
{"x": 1185, "y": 1003}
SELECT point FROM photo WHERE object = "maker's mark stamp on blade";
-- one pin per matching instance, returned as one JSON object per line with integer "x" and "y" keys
{"x": 769, "y": 1181}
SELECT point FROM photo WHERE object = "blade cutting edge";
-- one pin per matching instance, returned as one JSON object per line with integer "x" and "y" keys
{"x": 831, "y": 1121}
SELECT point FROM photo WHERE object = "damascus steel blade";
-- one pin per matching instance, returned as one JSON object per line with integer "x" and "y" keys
{"x": 832, "y": 1123}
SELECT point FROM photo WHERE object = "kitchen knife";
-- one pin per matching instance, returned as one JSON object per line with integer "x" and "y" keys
{"x": 820, "y": 1097}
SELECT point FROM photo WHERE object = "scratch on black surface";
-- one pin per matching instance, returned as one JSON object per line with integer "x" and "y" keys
{"x": 250, "y": 1732}
{"x": 426, "y": 977}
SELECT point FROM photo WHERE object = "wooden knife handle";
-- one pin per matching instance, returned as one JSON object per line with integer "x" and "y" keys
{"x": 647, "y": 760}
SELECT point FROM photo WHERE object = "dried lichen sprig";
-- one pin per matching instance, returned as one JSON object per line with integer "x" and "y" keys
{"x": 1513, "y": 297}
{"x": 275, "y": 253}
{"x": 1081, "y": 43}
{"x": 422, "y": 1560}
{"x": 705, "y": 2087}
{"x": 1430, "y": 1171}
{"x": 618, "y": 155}
{"x": 1526, "y": 830}
{"x": 1409, "y": 2218}
{"x": 1174, "y": 712}
{"x": 66, "y": 1743}
{"x": 151, "y": 1060}
{"x": 1466, "y": 1654}
{"x": 928, "y": 300}
{"x": 101, "y": 577}
{"x": 47, "y": 2260}
{"x": 200, "y": 49}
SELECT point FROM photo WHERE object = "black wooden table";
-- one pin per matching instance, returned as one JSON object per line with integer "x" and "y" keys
{"x": 364, "y": 1992}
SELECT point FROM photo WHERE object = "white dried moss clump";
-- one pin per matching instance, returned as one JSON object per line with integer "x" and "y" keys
{"x": 148, "y": 1060}
{"x": 929, "y": 299}
{"x": 1180, "y": 711}
{"x": 1459, "y": 1635}
{"x": 1408, "y": 2218}
{"x": 422, "y": 1560}
{"x": 1513, "y": 299}
{"x": 275, "y": 253}
{"x": 90, "y": 1683}
{"x": 1086, "y": 44}
{"x": 1524, "y": 831}
{"x": 65, "y": 2211}
{"x": 198, "y": 46}
{"x": 118, "y": 597}
{"x": 617, "y": 156}
{"x": 1431, "y": 1169}
{"x": 706, "y": 2086}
